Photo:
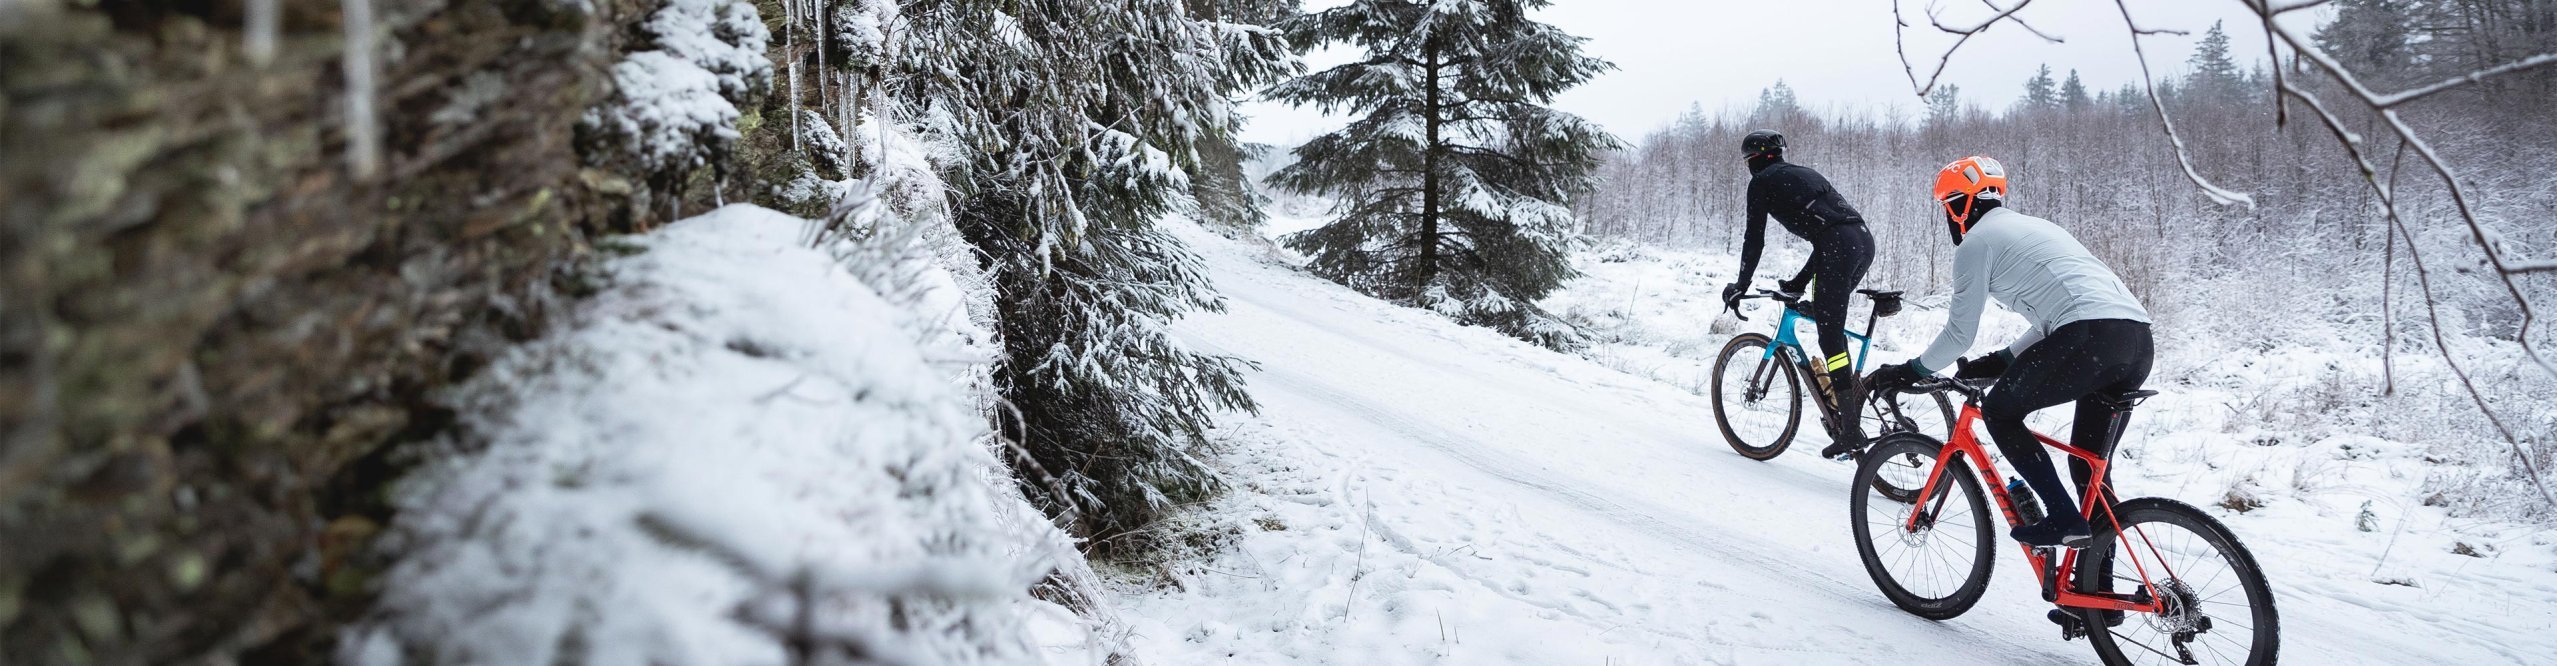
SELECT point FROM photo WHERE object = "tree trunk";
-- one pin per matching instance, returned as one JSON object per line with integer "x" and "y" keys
{"x": 1429, "y": 176}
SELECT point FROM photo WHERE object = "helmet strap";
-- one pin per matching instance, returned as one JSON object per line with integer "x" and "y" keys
{"x": 1959, "y": 224}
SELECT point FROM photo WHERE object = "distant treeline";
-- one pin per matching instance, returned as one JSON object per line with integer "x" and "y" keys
{"x": 2100, "y": 165}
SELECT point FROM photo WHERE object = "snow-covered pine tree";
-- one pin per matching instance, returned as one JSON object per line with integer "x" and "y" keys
{"x": 1944, "y": 106}
{"x": 2040, "y": 93}
{"x": 1076, "y": 124}
{"x": 2073, "y": 93}
{"x": 2215, "y": 77}
{"x": 1452, "y": 183}
{"x": 1225, "y": 194}
{"x": 2369, "y": 36}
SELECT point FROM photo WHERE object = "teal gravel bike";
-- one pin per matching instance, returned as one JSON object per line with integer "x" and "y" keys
{"x": 1759, "y": 383}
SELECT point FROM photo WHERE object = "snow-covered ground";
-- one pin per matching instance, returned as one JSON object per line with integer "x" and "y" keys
{"x": 1419, "y": 492}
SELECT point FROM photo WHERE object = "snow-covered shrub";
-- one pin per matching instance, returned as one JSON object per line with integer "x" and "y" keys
{"x": 668, "y": 114}
{"x": 739, "y": 446}
{"x": 825, "y": 149}
{"x": 724, "y": 37}
{"x": 675, "y": 107}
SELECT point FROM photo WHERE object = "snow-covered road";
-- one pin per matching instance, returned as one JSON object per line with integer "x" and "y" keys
{"x": 1430, "y": 493}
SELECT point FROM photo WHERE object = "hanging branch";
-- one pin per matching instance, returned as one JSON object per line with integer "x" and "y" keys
{"x": 2183, "y": 156}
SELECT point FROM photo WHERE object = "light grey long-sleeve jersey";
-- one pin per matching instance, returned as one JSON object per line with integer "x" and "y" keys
{"x": 2034, "y": 268}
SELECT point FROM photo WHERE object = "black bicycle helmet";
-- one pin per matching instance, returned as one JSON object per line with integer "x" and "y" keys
{"x": 1763, "y": 142}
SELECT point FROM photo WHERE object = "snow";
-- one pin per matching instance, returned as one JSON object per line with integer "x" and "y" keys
{"x": 723, "y": 37}
{"x": 737, "y": 429}
{"x": 676, "y": 106}
{"x": 1420, "y": 492}
{"x": 670, "y": 111}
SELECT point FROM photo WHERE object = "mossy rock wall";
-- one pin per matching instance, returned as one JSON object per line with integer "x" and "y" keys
{"x": 213, "y": 330}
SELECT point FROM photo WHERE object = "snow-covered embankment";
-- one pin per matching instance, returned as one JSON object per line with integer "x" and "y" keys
{"x": 737, "y": 447}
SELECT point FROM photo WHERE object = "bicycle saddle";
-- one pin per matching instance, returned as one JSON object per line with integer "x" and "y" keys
{"x": 1885, "y": 303}
{"x": 2126, "y": 399}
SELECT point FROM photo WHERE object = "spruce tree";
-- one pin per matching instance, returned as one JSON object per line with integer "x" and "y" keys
{"x": 1225, "y": 195}
{"x": 1452, "y": 183}
{"x": 2130, "y": 99}
{"x": 1944, "y": 106}
{"x": 1079, "y": 123}
{"x": 2214, "y": 76}
{"x": 2073, "y": 93}
{"x": 2369, "y": 37}
{"x": 1778, "y": 99}
{"x": 2040, "y": 94}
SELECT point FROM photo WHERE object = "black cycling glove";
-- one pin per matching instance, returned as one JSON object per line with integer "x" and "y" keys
{"x": 1984, "y": 366}
{"x": 1894, "y": 378}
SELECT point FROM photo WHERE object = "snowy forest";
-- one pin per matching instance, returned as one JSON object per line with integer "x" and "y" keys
{"x": 981, "y": 332}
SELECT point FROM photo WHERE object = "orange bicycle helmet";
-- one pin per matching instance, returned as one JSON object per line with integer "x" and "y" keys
{"x": 1969, "y": 180}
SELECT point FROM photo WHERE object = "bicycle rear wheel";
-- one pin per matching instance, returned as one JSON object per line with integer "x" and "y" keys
{"x": 1940, "y": 568}
{"x": 2219, "y": 610}
{"x": 1757, "y": 398}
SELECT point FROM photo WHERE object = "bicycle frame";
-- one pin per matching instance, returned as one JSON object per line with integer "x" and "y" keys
{"x": 1785, "y": 338}
{"x": 2057, "y": 585}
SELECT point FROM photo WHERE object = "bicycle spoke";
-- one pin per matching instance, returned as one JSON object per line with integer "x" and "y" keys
{"x": 2145, "y": 646}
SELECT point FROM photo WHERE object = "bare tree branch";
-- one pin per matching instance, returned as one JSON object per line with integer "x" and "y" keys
{"x": 2399, "y": 99}
{"x": 1899, "y": 40}
{"x": 2028, "y": 27}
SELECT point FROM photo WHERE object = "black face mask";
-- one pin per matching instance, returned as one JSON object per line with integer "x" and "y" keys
{"x": 1760, "y": 162}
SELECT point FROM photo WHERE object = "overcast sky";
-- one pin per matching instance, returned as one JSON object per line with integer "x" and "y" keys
{"x": 1672, "y": 53}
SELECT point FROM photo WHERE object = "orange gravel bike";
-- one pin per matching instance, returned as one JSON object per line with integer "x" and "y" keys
{"x": 2162, "y": 582}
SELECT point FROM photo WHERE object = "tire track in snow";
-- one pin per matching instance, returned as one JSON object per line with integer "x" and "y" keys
{"x": 1718, "y": 546}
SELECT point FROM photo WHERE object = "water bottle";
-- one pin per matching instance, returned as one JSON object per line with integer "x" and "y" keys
{"x": 2027, "y": 506}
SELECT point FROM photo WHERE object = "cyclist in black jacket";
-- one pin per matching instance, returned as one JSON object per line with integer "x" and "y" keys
{"x": 1841, "y": 250}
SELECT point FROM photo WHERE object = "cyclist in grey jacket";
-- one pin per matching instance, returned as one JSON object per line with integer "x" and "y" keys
{"x": 2089, "y": 336}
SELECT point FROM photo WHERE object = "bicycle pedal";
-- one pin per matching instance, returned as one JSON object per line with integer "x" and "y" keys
{"x": 2072, "y": 627}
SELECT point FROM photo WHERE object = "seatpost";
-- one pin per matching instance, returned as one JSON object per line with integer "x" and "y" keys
{"x": 2116, "y": 421}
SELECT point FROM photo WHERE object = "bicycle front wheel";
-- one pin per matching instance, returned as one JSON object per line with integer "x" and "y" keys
{"x": 1927, "y": 414}
{"x": 1757, "y": 398}
{"x": 1933, "y": 558}
{"x": 2217, "y": 607}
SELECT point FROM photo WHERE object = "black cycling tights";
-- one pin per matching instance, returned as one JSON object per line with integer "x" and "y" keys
{"x": 2080, "y": 361}
{"x": 1839, "y": 256}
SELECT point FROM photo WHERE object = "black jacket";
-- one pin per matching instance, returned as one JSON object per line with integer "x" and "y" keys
{"x": 1799, "y": 198}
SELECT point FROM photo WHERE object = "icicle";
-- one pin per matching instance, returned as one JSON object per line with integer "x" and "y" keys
{"x": 259, "y": 31}
{"x": 819, "y": 22}
{"x": 363, "y": 131}
{"x": 790, "y": 48}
